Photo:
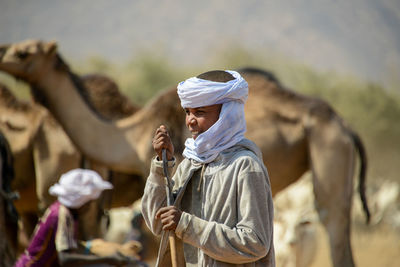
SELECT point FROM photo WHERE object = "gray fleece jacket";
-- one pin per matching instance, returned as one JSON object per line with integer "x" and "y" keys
{"x": 227, "y": 217}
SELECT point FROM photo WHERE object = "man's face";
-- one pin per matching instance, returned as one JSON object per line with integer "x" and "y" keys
{"x": 198, "y": 120}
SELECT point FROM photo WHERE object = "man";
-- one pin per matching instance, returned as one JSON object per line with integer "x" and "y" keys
{"x": 223, "y": 211}
{"x": 55, "y": 240}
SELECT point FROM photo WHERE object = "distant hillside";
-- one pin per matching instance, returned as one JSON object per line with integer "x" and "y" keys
{"x": 360, "y": 36}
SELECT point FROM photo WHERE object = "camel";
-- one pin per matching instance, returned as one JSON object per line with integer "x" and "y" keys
{"x": 43, "y": 151}
{"x": 33, "y": 135}
{"x": 296, "y": 133}
{"x": 20, "y": 123}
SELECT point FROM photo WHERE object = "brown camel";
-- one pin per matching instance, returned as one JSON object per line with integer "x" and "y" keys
{"x": 43, "y": 151}
{"x": 295, "y": 133}
{"x": 22, "y": 124}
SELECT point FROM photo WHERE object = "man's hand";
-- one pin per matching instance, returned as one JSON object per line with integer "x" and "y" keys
{"x": 162, "y": 140}
{"x": 169, "y": 216}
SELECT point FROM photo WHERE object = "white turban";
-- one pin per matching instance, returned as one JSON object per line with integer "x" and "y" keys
{"x": 79, "y": 186}
{"x": 231, "y": 125}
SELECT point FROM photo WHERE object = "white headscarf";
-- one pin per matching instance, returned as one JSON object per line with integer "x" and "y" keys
{"x": 79, "y": 186}
{"x": 231, "y": 125}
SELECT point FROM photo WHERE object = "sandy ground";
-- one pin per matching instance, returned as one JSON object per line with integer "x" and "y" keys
{"x": 371, "y": 248}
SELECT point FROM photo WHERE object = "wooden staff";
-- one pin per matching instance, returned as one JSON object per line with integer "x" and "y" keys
{"x": 170, "y": 202}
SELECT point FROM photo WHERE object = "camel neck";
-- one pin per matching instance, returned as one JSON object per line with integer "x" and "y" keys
{"x": 96, "y": 138}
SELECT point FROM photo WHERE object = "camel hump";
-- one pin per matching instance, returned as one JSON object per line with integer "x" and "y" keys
{"x": 103, "y": 93}
{"x": 257, "y": 71}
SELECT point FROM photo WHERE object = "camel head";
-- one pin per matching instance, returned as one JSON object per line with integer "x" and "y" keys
{"x": 27, "y": 60}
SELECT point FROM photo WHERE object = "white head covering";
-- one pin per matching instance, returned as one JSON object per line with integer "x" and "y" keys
{"x": 79, "y": 186}
{"x": 231, "y": 125}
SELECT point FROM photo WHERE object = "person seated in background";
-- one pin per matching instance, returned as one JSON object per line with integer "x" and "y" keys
{"x": 55, "y": 239}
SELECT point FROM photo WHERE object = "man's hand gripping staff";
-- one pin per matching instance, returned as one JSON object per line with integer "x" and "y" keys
{"x": 169, "y": 215}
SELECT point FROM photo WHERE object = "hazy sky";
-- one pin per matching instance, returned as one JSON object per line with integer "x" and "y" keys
{"x": 357, "y": 36}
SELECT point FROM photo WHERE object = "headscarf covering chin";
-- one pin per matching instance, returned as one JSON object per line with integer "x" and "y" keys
{"x": 78, "y": 186}
{"x": 231, "y": 125}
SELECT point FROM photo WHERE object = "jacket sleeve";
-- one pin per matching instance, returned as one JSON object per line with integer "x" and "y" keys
{"x": 251, "y": 238}
{"x": 154, "y": 196}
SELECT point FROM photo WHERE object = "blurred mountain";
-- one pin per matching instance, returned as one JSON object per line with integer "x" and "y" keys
{"x": 358, "y": 36}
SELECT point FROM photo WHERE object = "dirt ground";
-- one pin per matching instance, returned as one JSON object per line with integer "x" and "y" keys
{"x": 372, "y": 247}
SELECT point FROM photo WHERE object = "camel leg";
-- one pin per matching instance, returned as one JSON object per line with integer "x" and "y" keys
{"x": 332, "y": 161}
